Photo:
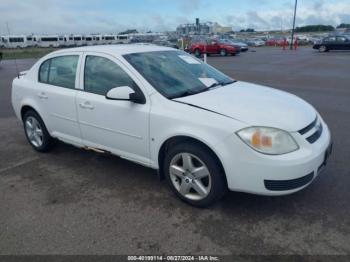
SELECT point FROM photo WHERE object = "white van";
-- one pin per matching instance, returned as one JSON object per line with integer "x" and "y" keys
{"x": 14, "y": 41}
{"x": 78, "y": 40}
{"x": 48, "y": 41}
{"x": 123, "y": 39}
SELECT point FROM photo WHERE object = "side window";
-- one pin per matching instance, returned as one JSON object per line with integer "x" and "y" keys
{"x": 63, "y": 70}
{"x": 101, "y": 75}
{"x": 341, "y": 39}
{"x": 59, "y": 71}
{"x": 330, "y": 39}
{"x": 44, "y": 71}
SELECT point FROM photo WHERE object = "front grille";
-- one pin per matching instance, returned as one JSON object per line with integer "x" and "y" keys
{"x": 308, "y": 128}
{"x": 317, "y": 126}
{"x": 315, "y": 136}
{"x": 282, "y": 185}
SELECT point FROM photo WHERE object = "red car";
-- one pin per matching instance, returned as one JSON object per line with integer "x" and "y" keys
{"x": 214, "y": 47}
{"x": 276, "y": 42}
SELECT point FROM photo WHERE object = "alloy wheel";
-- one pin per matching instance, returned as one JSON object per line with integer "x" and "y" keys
{"x": 223, "y": 52}
{"x": 323, "y": 48}
{"x": 34, "y": 131}
{"x": 190, "y": 176}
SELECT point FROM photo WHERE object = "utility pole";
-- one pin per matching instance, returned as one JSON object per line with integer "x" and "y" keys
{"x": 295, "y": 14}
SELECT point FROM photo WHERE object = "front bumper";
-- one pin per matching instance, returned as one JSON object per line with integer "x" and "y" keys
{"x": 252, "y": 172}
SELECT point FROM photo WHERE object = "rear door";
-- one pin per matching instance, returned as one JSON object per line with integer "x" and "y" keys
{"x": 57, "y": 81}
{"x": 121, "y": 127}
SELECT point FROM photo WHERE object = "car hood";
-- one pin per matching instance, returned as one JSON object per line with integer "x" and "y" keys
{"x": 256, "y": 105}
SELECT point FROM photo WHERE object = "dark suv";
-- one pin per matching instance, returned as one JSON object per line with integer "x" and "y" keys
{"x": 333, "y": 43}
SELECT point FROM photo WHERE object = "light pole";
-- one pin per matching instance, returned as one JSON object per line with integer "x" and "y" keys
{"x": 295, "y": 14}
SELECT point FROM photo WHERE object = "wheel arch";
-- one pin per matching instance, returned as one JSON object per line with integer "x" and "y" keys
{"x": 174, "y": 140}
{"x": 25, "y": 108}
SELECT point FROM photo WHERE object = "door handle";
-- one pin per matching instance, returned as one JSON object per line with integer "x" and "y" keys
{"x": 42, "y": 95}
{"x": 86, "y": 105}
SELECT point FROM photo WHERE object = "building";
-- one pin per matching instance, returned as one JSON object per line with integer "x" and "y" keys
{"x": 206, "y": 28}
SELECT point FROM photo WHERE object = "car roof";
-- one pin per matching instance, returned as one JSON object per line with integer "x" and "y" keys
{"x": 120, "y": 49}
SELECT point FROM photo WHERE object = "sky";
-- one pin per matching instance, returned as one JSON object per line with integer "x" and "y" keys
{"x": 113, "y": 16}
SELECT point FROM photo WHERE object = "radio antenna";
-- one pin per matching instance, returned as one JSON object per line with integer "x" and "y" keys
{"x": 8, "y": 31}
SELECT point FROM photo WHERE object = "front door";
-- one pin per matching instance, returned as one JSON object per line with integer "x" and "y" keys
{"x": 121, "y": 127}
{"x": 213, "y": 47}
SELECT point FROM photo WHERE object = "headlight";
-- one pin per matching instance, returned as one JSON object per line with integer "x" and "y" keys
{"x": 268, "y": 140}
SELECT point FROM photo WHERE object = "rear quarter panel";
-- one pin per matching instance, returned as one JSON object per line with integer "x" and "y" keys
{"x": 24, "y": 93}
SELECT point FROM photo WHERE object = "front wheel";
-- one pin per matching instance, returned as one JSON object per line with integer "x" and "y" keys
{"x": 223, "y": 52}
{"x": 36, "y": 132}
{"x": 194, "y": 174}
{"x": 197, "y": 53}
{"x": 323, "y": 49}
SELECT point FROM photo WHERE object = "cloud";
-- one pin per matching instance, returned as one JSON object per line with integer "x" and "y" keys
{"x": 189, "y": 6}
{"x": 312, "y": 12}
{"x": 112, "y": 16}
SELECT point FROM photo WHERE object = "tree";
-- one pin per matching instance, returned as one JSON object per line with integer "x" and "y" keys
{"x": 248, "y": 30}
{"x": 314, "y": 28}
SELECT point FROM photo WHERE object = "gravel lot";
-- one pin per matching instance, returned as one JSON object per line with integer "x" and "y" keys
{"x": 76, "y": 202}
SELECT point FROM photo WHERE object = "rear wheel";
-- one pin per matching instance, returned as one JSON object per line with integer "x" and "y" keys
{"x": 223, "y": 52}
{"x": 36, "y": 132}
{"x": 194, "y": 174}
{"x": 197, "y": 53}
{"x": 323, "y": 49}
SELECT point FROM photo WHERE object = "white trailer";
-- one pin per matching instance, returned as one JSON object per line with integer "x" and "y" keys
{"x": 48, "y": 41}
{"x": 31, "y": 40}
{"x": 78, "y": 40}
{"x": 14, "y": 41}
{"x": 90, "y": 40}
{"x": 97, "y": 39}
{"x": 108, "y": 39}
{"x": 123, "y": 39}
{"x": 68, "y": 40}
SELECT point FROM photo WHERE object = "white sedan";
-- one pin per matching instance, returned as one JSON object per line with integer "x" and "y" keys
{"x": 162, "y": 108}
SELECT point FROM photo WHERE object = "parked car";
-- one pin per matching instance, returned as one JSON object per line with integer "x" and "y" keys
{"x": 213, "y": 47}
{"x": 255, "y": 42}
{"x": 236, "y": 43}
{"x": 163, "y": 108}
{"x": 165, "y": 43}
{"x": 276, "y": 42}
{"x": 333, "y": 43}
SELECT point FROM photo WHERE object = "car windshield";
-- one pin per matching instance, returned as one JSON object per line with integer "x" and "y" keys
{"x": 176, "y": 74}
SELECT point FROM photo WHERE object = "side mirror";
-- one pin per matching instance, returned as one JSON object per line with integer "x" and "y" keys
{"x": 125, "y": 93}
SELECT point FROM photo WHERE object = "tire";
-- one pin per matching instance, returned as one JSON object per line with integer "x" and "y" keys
{"x": 197, "y": 53}
{"x": 39, "y": 139}
{"x": 323, "y": 49}
{"x": 223, "y": 52}
{"x": 202, "y": 188}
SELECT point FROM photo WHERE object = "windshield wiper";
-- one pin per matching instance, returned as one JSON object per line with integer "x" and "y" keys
{"x": 190, "y": 93}
{"x": 219, "y": 84}
{"x": 183, "y": 94}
